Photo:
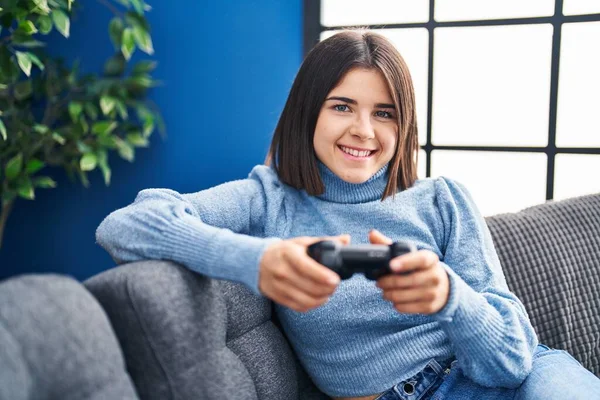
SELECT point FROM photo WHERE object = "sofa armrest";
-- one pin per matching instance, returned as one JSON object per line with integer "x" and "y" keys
{"x": 172, "y": 324}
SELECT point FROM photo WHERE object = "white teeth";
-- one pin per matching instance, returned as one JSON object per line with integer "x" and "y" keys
{"x": 355, "y": 153}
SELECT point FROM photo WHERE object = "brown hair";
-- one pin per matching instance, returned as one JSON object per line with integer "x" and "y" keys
{"x": 325, "y": 65}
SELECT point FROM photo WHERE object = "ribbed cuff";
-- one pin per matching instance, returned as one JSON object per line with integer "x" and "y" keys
{"x": 467, "y": 314}
{"x": 215, "y": 252}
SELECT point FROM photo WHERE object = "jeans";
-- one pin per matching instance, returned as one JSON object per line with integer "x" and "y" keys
{"x": 555, "y": 375}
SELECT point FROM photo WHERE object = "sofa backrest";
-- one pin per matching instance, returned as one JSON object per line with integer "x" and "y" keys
{"x": 550, "y": 254}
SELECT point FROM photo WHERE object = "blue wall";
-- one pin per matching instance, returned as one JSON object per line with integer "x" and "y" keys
{"x": 227, "y": 68}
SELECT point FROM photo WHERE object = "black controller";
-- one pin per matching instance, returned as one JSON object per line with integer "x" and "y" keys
{"x": 371, "y": 259}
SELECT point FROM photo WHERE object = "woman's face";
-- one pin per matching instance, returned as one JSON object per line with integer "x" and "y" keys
{"x": 356, "y": 133}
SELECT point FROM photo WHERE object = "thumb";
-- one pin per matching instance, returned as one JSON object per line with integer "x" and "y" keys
{"x": 345, "y": 239}
{"x": 376, "y": 237}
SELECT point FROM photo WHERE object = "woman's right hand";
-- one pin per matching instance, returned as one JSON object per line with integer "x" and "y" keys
{"x": 290, "y": 277}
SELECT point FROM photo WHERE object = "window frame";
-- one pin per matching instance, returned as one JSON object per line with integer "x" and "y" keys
{"x": 313, "y": 29}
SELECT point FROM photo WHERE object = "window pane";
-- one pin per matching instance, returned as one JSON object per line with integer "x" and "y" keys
{"x": 576, "y": 175}
{"x": 579, "y": 7}
{"x": 360, "y": 12}
{"x": 413, "y": 45}
{"x": 492, "y": 85}
{"x": 578, "y": 120}
{"x": 422, "y": 166}
{"x": 464, "y": 10}
{"x": 499, "y": 182}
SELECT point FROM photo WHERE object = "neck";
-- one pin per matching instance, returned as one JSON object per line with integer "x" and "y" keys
{"x": 339, "y": 191}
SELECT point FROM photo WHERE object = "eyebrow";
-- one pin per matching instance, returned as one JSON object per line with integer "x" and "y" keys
{"x": 352, "y": 101}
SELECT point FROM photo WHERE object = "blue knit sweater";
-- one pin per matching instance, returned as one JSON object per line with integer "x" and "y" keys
{"x": 356, "y": 344}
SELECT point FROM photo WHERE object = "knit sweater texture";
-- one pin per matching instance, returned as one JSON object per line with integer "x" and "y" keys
{"x": 356, "y": 344}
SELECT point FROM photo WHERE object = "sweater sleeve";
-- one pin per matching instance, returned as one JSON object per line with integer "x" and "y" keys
{"x": 487, "y": 324}
{"x": 218, "y": 232}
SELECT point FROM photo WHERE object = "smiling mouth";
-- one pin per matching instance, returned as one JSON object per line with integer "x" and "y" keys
{"x": 357, "y": 153}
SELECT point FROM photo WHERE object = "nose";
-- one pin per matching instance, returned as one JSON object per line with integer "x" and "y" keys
{"x": 362, "y": 127}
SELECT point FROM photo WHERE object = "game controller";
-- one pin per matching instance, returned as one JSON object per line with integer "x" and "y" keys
{"x": 373, "y": 260}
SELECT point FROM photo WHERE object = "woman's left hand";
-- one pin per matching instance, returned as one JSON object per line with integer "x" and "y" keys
{"x": 424, "y": 290}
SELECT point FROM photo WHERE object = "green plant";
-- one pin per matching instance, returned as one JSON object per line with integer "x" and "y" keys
{"x": 50, "y": 115}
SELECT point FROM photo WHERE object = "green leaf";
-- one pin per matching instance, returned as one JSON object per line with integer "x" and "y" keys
{"x": 27, "y": 27}
{"x": 83, "y": 147}
{"x": 115, "y": 30}
{"x": 115, "y": 66}
{"x": 121, "y": 109}
{"x": 35, "y": 60}
{"x": 138, "y": 6}
{"x": 44, "y": 182}
{"x": 42, "y": 5}
{"x": 148, "y": 127}
{"x": 14, "y": 166}
{"x": 24, "y": 62}
{"x": 34, "y": 165}
{"x": 25, "y": 189}
{"x": 44, "y": 24}
{"x": 143, "y": 40}
{"x": 88, "y": 162}
{"x": 145, "y": 81}
{"x": 144, "y": 67}
{"x": 41, "y": 129}
{"x": 75, "y": 109}
{"x": 107, "y": 104}
{"x": 85, "y": 127}
{"x": 23, "y": 90}
{"x": 91, "y": 110}
{"x": 3, "y": 130}
{"x": 83, "y": 177}
{"x": 62, "y": 22}
{"x": 104, "y": 127}
{"x": 58, "y": 138}
{"x": 102, "y": 156}
{"x": 127, "y": 43}
{"x": 137, "y": 140}
{"x": 125, "y": 149}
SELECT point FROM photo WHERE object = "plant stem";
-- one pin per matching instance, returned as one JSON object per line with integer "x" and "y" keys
{"x": 111, "y": 8}
{"x": 6, "y": 208}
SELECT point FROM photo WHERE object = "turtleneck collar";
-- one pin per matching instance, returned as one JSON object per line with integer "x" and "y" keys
{"x": 339, "y": 191}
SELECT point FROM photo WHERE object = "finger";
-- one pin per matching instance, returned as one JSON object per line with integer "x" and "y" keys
{"x": 298, "y": 300}
{"x": 309, "y": 286}
{"x": 421, "y": 278}
{"x": 304, "y": 266}
{"x": 422, "y": 259}
{"x": 416, "y": 295}
{"x": 308, "y": 240}
{"x": 376, "y": 237}
{"x": 345, "y": 238}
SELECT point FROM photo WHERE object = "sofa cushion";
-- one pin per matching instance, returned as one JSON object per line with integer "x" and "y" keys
{"x": 550, "y": 254}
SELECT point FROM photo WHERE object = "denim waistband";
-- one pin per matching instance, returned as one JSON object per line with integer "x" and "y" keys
{"x": 422, "y": 383}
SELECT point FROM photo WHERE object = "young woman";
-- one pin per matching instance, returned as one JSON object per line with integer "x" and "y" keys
{"x": 342, "y": 165}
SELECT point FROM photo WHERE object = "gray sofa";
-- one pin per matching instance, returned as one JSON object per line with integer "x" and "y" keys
{"x": 185, "y": 336}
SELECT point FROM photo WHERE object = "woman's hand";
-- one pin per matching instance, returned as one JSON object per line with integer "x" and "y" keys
{"x": 290, "y": 277}
{"x": 424, "y": 290}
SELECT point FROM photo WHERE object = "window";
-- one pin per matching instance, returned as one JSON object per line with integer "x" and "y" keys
{"x": 508, "y": 92}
